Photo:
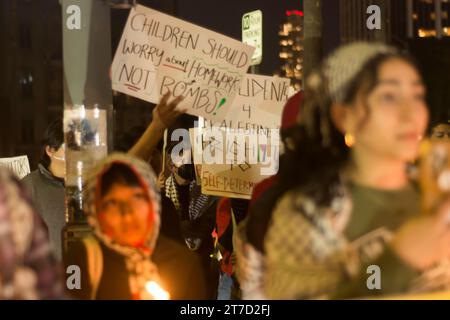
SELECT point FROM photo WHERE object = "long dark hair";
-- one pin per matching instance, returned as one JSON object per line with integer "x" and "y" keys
{"x": 320, "y": 153}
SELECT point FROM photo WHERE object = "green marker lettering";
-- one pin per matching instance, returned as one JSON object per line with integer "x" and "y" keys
{"x": 221, "y": 103}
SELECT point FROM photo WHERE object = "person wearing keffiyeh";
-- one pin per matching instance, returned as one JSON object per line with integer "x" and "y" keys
{"x": 28, "y": 270}
{"x": 196, "y": 212}
{"x": 193, "y": 212}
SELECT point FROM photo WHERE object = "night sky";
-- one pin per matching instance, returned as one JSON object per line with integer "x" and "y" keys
{"x": 225, "y": 17}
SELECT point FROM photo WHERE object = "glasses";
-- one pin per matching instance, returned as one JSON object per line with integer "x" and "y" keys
{"x": 115, "y": 207}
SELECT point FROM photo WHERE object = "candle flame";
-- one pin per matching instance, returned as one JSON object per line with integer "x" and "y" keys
{"x": 156, "y": 291}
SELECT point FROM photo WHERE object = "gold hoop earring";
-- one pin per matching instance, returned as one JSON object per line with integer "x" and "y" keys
{"x": 349, "y": 140}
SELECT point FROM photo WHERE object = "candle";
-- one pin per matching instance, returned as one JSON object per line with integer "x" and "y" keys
{"x": 156, "y": 291}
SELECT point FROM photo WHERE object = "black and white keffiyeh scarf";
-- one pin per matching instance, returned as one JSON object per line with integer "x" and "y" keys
{"x": 199, "y": 203}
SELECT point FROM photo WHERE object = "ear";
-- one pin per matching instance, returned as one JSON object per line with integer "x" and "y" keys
{"x": 49, "y": 151}
{"x": 342, "y": 117}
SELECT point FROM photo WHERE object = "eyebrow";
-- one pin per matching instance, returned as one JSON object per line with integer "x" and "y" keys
{"x": 397, "y": 83}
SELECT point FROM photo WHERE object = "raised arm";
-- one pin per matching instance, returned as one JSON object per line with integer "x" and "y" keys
{"x": 164, "y": 115}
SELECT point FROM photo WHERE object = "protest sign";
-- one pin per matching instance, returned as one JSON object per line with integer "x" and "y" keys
{"x": 19, "y": 165}
{"x": 234, "y": 182}
{"x": 258, "y": 104}
{"x": 256, "y": 110}
{"x": 159, "y": 53}
{"x": 236, "y": 178}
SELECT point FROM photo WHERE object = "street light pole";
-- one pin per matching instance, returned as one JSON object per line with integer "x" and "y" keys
{"x": 312, "y": 35}
{"x": 409, "y": 19}
{"x": 438, "y": 18}
{"x": 87, "y": 101}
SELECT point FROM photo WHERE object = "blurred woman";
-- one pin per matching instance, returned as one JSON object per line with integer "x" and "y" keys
{"x": 353, "y": 205}
{"x": 28, "y": 269}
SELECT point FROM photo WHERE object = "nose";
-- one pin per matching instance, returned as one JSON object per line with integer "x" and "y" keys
{"x": 125, "y": 209}
{"x": 409, "y": 111}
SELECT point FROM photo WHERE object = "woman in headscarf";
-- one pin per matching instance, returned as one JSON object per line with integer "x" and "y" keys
{"x": 28, "y": 269}
{"x": 123, "y": 208}
{"x": 349, "y": 206}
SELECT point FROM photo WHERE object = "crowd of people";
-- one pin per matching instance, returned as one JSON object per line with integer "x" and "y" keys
{"x": 343, "y": 199}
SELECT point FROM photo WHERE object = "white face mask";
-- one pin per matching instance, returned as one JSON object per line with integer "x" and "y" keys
{"x": 63, "y": 158}
{"x": 59, "y": 158}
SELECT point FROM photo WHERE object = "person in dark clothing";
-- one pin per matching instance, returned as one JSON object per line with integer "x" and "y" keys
{"x": 196, "y": 213}
{"x": 126, "y": 256}
{"x": 46, "y": 184}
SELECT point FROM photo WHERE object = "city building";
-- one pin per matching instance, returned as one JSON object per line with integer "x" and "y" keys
{"x": 428, "y": 18}
{"x": 31, "y": 64}
{"x": 291, "y": 48}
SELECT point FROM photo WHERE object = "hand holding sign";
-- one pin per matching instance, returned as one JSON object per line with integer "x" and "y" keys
{"x": 165, "y": 113}
{"x": 164, "y": 116}
{"x": 203, "y": 66}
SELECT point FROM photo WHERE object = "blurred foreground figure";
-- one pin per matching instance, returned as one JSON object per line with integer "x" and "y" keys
{"x": 264, "y": 198}
{"x": 352, "y": 225}
{"x": 27, "y": 268}
{"x": 125, "y": 259}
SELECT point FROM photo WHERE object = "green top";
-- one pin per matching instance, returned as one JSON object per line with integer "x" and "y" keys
{"x": 374, "y": 209}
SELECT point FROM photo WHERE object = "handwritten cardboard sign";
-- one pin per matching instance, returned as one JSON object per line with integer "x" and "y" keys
{"x": 19, "y": 165}
{"x": 258, "y": 104}
{"x": 229, "y": 181}
{"x": 159, "y": 53}
{"x": 235, "y": 179}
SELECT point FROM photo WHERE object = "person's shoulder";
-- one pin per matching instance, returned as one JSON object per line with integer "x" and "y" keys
{"x": 31, "y": 177}
{"x": 32, "y": 182}
{"x": 291, "y": 200}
